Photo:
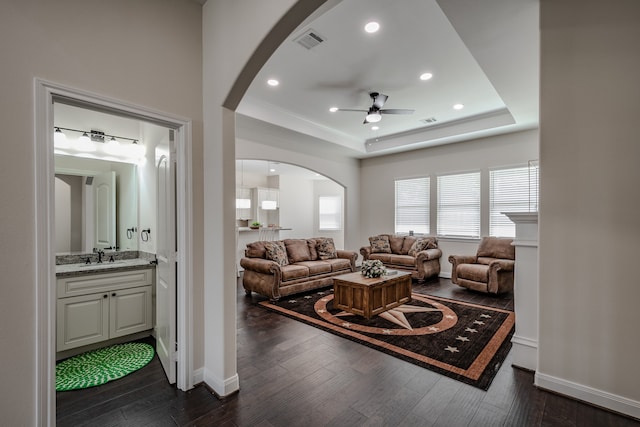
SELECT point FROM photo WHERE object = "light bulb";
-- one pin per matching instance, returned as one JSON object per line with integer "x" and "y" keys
{"x": 60, "y": 139}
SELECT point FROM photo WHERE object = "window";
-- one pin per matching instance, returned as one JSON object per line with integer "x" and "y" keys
{"x": 459, "y": 205}
{"x": 510, "y": 190}
{"x": 412, "y": 205}
{"x": 330, "y": 213}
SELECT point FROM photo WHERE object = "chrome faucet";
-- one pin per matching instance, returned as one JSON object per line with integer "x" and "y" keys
{"x": 100, "y": 253}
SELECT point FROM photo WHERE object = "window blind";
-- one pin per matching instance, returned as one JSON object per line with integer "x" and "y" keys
{"x": 412, "y": 205}
{"x": 459, "y": 205}
{"x": 329, "y": 213}
{"x": 511, "y": 190}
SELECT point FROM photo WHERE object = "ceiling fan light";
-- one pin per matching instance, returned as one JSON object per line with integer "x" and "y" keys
{"x": 373, "y": 117}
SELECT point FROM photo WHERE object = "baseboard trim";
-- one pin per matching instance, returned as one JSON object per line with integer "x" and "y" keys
{"x": 590, "y": 395}
{"x": 445, "y": 275}
{"x": 524, "y": 352}
{"x": 198, "y": 376}
{"x": 222, "y": 387}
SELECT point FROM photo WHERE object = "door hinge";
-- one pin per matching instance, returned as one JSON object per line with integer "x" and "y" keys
{"x": 174, "y": 353}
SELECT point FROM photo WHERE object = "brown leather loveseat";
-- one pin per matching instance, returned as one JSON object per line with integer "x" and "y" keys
{"x": 285, "y": 267}
{"x": 419, "y": 255}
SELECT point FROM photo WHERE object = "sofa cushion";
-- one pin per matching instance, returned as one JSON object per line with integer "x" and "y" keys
{"x": 255, "y": 250}
{"x": 395, "y": 242}
{"x": 380, "y": 244}
{"x": 294, "y": 271}
{"x": 325, "y": 247}
{"x": 297, "y": 250}
{"x": 339, "y": 264}
{"x": 421, "y": 244}
{"x": 313, "y": 252}
{"x": 475, "y": 272}
{"x": 276, "y": 251}
{"x": 407, "y": 244}
{"x": 404, "y": 260}
{"x": 494, "y": 247}
{"x": 316, "y": 267}
{"x": 384, "y": 257}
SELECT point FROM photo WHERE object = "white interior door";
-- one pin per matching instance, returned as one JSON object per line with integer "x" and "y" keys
{"x": 166, "y": 268}
{"x": 104, "y": 196}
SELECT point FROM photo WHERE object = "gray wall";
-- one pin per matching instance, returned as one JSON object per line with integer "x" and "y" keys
{"x": 589, "y": 293}
{"x": 144, "y": 52}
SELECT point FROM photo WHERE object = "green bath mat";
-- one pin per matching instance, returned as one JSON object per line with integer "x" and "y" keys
{"x": 100, "y": 366}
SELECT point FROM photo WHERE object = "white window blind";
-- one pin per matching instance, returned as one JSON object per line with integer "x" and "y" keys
{"x": 330, "y": 213}
{"x": 510, "y": 190}
{"x": 459, "y": 205}
{"x": 412, "y": 205}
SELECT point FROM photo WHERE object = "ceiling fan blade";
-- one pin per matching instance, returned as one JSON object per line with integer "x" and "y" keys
{"x": 379, "y": 99}
{"x": 397, "y": 111}
{"x": 351, "y": 109}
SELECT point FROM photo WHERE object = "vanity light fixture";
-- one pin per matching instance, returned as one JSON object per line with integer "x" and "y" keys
{"x": 91, "y": 141}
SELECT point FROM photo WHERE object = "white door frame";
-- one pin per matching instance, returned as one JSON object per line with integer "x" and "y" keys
{"x": 44, "y": 94}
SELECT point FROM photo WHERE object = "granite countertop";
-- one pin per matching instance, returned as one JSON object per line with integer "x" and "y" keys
{"x": 78, "y": 269}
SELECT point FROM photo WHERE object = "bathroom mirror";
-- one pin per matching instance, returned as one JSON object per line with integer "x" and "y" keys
{"x": 96, "y": 205}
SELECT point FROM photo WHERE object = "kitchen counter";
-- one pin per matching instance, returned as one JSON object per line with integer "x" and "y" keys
{"x": 65, "y": 270}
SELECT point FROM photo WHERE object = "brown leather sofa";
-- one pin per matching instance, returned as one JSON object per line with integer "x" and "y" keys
{"x": 422, "y": 259}
{"x": 490, "y": 270}
{"x": 306, "y": 264}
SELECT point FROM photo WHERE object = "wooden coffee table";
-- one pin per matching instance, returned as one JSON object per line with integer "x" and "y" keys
{"x": 367, "y": 297}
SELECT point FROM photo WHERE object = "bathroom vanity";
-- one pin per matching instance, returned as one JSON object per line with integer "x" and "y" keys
{"x": 101, "y": 302}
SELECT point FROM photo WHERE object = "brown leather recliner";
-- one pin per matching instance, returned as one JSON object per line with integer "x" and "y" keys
{"x": 490, "y": 270}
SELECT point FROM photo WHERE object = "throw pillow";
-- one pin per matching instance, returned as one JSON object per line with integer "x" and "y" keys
{"x": 325, "y": 247}
{"x": 380, "y": 244}
{"x": 275, "y": 251}
{"x": 421, "y": 244}
{"x": 297, "y": 250}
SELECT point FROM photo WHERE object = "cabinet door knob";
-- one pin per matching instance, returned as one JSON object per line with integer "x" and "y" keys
{"x": 113, "y": 294}
{"x": 105, "y": 295}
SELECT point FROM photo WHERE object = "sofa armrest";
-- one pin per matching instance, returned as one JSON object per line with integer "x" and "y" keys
{"x": 428, "y": 254}
{"x": 365, "y": 251}
{"x": 260, "y": 265}
{"x": 352, "y": 256}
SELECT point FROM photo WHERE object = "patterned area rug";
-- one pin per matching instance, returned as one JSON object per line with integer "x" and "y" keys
{"x": 100, "y": 366}
{"x": 464, "y": 341}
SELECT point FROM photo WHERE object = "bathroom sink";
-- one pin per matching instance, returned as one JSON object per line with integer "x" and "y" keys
{"x": 100, "y": 265}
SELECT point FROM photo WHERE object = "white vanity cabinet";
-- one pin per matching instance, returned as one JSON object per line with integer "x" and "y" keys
{"x": 97, "y": 307}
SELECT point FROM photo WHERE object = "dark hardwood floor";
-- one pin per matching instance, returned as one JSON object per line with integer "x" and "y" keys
{"x": 292, "y": 374}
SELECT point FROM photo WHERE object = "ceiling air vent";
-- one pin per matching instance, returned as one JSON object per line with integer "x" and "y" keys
{"x": 429, "y": 120}
{"x": 310, "y": 39}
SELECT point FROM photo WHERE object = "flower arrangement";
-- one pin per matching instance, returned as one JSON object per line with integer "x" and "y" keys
{"x": 373, "y": 268}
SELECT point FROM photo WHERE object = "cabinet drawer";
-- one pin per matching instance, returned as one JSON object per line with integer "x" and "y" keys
{"x": 93, "y": 283}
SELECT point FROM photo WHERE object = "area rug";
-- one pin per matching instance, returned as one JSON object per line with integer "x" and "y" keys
{"x": 100, "y": 366}
{"x": 464, "y": 341}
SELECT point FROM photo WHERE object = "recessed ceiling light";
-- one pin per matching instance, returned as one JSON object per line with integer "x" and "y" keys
{"x": 372, "y": 27}
{"x": 333, "y": 109}
{"x": 375, "y": 127}
{"x": 272, "y": 170}
{"x": 273, "y": 82}
{"x": 425, "y": 76}
{"x": 458, "y": 106}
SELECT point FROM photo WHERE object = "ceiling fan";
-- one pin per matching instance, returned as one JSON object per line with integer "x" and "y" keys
{"x": 374, "y": 113}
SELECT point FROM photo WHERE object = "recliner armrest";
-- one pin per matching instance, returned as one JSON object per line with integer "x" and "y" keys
{"x": 502, "y": 264}
{"x": 462, "y": 259}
